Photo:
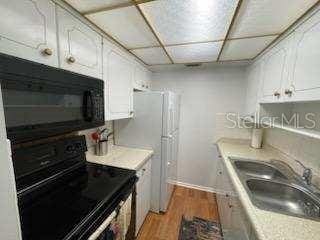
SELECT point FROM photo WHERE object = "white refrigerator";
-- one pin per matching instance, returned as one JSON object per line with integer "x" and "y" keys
{"x": 155, "y": 125}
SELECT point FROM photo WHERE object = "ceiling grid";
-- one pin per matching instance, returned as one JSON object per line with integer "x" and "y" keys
{"x": 190, "y": 31}
{"x": 153, "y": 31}
{"x": 230, "y": 27}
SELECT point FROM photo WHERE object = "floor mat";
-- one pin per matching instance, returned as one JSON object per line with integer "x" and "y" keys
{"x": 199, "y": 229}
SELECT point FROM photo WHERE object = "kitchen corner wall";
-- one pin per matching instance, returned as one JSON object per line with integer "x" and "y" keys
{"x": 298, "y": 147}
{"x": 206, "y": 95}
{"x": 88, "y": 132}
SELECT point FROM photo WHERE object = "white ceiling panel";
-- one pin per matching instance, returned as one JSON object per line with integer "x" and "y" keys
{"x": 152, "y": 56}
{"x": 262, "y": 17}
{"x": 184, "y": 21}
{"x": 126, "y": 25}
{"x": 246, "y": 48}
{"x": 200, "y": 52}
{"x": 89, "y": 5}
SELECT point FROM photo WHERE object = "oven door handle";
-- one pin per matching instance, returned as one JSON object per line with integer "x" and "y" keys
{"x": 88, "y": 106}
{"x": 103, "y": 226}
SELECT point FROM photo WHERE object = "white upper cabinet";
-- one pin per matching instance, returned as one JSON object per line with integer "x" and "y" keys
{"x": 253, "y": 81}
{"x": 118, "y": 74}
{"x": 80, "y": 46}
{"x": 28, "y": 30}
{"x": 141, "y": 78}
{"x": 304, "y": 82}
{"x": 275, "y": 71}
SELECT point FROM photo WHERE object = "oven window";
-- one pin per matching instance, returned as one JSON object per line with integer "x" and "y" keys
{"x": 31, "y": 108}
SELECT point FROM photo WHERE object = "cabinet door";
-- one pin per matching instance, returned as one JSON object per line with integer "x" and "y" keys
{"x": 254, "y": 77}
{"x": 80, "y": 46}
{"x": 240, "y": 226}
{"x": 223, "y": 182}
{"x": 304, "y": 78}
{"x": 143, "y": 194}
{"x": 146, "y": 189}
{"x": 138, "y": 78}
{"x": 275, "y": 71}
{"x": 225, "y": 212}
{"x": 118, "y": 75}
{"x": 28, "y": 30}
{"x": 141, "y": 78}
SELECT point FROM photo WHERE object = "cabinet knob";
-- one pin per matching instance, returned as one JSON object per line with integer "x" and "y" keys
{"x": 220, "y": 172}
{"x": 144, "y": 169}
{"x": 71, "y": 59}
{"x": 131, "y": 112}
{"x": 47, "y": 51}
{"x": 143, "y": 85}
{"x": 276, "y": 94}
{"x": 288, "y": 92}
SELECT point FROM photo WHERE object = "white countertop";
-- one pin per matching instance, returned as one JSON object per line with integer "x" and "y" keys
{"x": 122, "y": 157}
{"x": 267, "y": 225}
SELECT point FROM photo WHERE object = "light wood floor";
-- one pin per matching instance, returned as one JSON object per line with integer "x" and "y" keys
{"x": 185, "y": 201}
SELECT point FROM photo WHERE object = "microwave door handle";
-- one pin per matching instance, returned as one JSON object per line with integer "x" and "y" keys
{"x": 88, "y": 106}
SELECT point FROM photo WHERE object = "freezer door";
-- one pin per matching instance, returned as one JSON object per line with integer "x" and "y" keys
{"x": 166, "y": 171}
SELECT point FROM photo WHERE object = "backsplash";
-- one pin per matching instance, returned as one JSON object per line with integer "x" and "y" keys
{"x": 88, "y": 133}
{"x": 298, "y": 147}
{"x": 224, "y": 129}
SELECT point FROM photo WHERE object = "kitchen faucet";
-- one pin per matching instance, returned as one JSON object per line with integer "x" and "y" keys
{"x": 307, "y": 173}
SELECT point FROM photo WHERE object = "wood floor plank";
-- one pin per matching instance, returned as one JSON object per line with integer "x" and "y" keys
{"x": 185, "y": 201}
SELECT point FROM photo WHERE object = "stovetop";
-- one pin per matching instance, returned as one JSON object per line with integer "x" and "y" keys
{"x": 60, "y": 211}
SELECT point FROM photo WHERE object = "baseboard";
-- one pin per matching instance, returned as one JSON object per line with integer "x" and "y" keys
{"x": 193, "y": 186}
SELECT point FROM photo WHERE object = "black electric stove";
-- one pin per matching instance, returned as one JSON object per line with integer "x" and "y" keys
{"x": 60, "y": 195}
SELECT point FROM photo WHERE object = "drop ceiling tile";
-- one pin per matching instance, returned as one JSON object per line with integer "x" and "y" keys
{"x": 185, "y": 21}
{"x": 89, "y": 5}
{"x": 245, "y": 48}
{"x": 262, "y": 17}
{"x": 200, "y": 52}
{"x": 152, "y": 56}
{"x": 126, "y": 25}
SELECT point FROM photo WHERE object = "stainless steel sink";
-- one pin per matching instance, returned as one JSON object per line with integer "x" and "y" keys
{"x": 282, "y": 197}
{"x": 274, "y": 186}
{"x": 259, "y": 169}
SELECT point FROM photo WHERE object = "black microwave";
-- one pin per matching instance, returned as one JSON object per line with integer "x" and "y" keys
{"x": 41, "y": 101}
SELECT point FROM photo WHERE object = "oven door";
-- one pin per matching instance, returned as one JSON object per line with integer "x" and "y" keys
{"x": 36, "y": 110}
{"x": 117, "y": 224}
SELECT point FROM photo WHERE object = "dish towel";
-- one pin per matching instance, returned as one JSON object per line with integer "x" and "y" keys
{"x": 124, "y": 217}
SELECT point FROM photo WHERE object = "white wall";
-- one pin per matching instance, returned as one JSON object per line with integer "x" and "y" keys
{"x": 9, "y": 216}
{"x": 205, "y": 94}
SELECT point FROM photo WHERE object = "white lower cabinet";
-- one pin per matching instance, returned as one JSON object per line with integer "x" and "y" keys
{"x": 234, "y": 223}
{"x": 143, "y": 194}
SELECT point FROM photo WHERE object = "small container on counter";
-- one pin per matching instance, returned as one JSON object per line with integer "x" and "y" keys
{"x": 256, "y": 138}
{"x": 101, "y": 148}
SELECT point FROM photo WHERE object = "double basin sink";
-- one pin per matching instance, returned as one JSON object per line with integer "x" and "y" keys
{"x": 274, "y": 186}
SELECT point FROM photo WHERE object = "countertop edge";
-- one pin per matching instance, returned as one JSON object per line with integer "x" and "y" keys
{"x": 249, "y": 208}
